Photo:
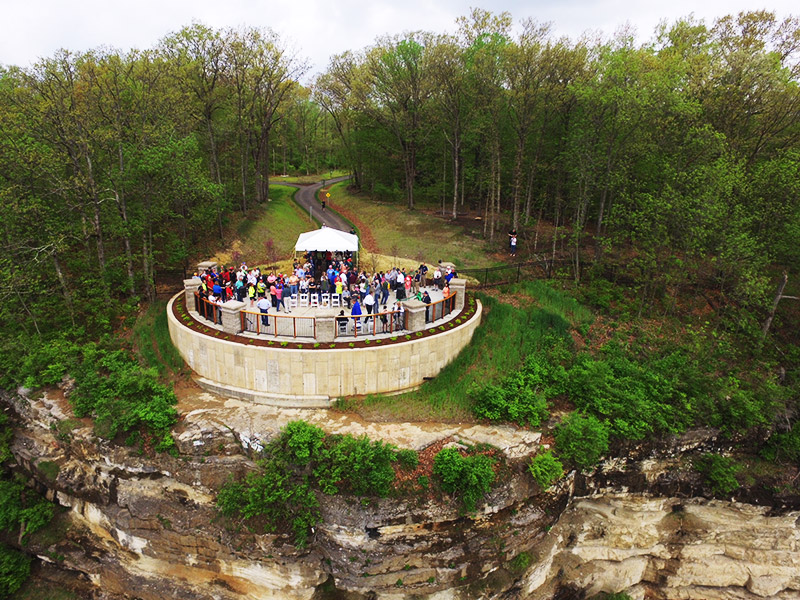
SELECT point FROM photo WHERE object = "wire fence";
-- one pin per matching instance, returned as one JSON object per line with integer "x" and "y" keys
{"x": 540, "y": 268}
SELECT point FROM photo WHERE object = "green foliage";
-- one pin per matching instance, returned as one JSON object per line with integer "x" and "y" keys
{"x": 276, "y": 497}
{"x": 469, "y": 476}
{"x": 582, "y": 438}
{"x": 720, "y": 472}
{"x": 408, "y": 459}
{"x": 6, "y": 435}
{"x": 358, "y": 464}
{"x": 301, "y": 441}
{"x": 520, "y": 562}
{"x": 299, "y": 461}
{"x": 545, "y": 469}
{"x": 784, "y": 445}
{"x": 522, "y": 396}
{"x": 22, "y": 507}
{"x": 15, "y": 568}
{"x": 121, "y": 396}
{"x": 636, "y": 398}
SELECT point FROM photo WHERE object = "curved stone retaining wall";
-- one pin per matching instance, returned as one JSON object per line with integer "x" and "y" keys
{"x": 294, "y": 377}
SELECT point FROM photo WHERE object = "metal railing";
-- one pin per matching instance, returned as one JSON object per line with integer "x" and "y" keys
{"x": 374, "y": 324}
{"x": 279, "y": 325}
{"x": 208, "y": 310}
{"x": 440, "y": 309}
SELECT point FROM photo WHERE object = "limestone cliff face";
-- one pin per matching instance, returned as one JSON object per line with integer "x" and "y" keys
{"x": 147, "y": 528}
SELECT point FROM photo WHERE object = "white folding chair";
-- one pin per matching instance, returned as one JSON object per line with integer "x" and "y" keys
{"x": 336, "y": 300}
{"x": 293, "y": 301}
{"x": 326, "y": 299}
{"x": 314, "y": 300}
{"x": 303, "y": 299}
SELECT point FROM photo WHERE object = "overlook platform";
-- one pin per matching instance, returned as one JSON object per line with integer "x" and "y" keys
{"x": 313, "y": 371}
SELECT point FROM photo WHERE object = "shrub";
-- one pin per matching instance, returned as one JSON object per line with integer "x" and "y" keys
{"x": 409, "y": 459}
{"x": 275, "y": 497}
{"x": 364, "y": 466}
{"x": 21, "y": 507}
{"x": 470, "y": 476}
{"x": 301, "y": 441}
{"x": 720, "y": 472}
{"x": 583, "y": 439}
{"x": 546, "y": 469}
{"x": 15, "y": 568}
{"x": 6, "y": 435}
{"x": 520, "y": 562}
{"x": 120, "y": 395}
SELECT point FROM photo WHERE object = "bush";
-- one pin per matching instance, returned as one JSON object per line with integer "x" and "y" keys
{"x": 720, "y": 473}
{"x": 301, "y": 441}
{"x": 6, "y": 435}
{"x": 636, "y": 399}
{"x": 363, "y": 466}
{"x": 121, "y": 396}
{"x": 470, "y": 476}
{"x": 784, "y": 445}
{"x": 408, "y": 459}
{"x": 275, "y": 497}
{"x": 522, "y": 396}
{"x": 546, "y": 469}
{"x": 583, "y": 439}
{"x": 22, "y": 507}
{"x": 302, "y": 459}
{"x": 15, "y": 568}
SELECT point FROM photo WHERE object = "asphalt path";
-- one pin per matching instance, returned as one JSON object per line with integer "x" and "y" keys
{"x": 306, "y": 197}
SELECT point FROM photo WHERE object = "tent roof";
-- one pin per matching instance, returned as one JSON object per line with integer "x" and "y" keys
{"x": 326, "y": 238}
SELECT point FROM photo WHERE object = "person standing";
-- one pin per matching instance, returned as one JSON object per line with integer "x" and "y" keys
{"x": 264, "y": 305}
{"x": 369, "y": 303}
{"x": 513, "y": 243}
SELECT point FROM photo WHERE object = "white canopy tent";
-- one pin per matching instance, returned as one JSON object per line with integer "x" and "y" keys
{"x": 326, "y": 239}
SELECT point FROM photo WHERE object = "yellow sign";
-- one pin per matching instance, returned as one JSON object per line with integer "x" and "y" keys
{"x": 327, "y": 194}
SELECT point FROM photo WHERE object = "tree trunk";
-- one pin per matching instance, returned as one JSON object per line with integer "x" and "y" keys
{"x": 778, "y": 297}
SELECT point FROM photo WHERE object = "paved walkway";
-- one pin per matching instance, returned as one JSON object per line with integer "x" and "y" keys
{"x": 306, "y": 197}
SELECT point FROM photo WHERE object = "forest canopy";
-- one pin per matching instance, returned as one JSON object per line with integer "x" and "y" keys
{"x": 678, "y": 156}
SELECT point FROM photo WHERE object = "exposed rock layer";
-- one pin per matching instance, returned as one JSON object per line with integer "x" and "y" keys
{"x": 147, "y": 528}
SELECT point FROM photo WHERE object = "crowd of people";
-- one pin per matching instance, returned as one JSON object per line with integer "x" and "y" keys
{"x": 327, "y": 276}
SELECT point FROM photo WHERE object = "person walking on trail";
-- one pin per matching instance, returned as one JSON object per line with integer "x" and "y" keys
{"x": 513, "y": 243}
{"x": 323, "y": 205}
{"x": 264, "y": 305}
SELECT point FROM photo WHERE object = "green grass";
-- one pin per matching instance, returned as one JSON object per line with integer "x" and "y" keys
{"x": 152, "y": 342}
{"x": 280, "y": 220}
{"x": 500, "y": 344}
{"x": 412, "y": 234}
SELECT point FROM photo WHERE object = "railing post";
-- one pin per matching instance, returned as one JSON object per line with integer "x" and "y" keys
{"x": 325, "y": 325}
{"x": 415, "y": 315}
{"x": 231, "y": 316}
{"x": 190, "y": 287}
{"x": 459, "y": 288}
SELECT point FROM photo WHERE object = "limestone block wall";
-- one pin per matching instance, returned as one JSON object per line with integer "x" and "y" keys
{"x": 316, "y": 375}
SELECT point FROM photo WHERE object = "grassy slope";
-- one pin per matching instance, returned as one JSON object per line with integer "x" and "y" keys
{"x": 412, "y": 234}
{"x": 506, "y": 336}
{"x": 280, "y": 220}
